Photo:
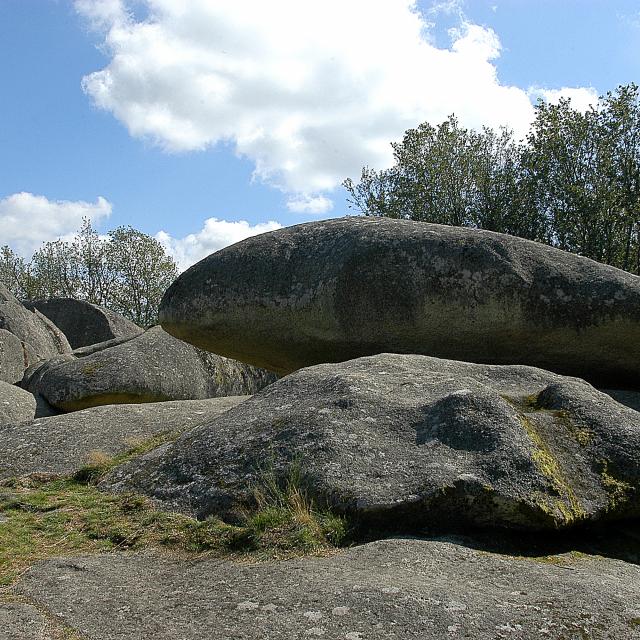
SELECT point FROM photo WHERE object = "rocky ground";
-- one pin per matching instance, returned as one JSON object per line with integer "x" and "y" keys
{"x": 375, "y": 491}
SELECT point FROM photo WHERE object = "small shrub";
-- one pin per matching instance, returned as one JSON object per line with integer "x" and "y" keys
{"x": 98, "y": 464}
{"x": 286, "y": 518}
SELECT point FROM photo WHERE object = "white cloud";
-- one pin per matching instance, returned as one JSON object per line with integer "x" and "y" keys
{"x": 315, "y": 205}
{"x": 27, "y": 220}
{"x": 103, "y": 13}
{"x": 581, "y": 98}
{"x": 310, "y": 92}
{"x": 214, "y": 235}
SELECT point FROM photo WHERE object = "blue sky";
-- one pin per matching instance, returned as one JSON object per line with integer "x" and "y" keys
{"x": 219, "y": 111}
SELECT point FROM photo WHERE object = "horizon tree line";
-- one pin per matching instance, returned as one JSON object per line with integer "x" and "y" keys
{"x": 127, "y": 271}
{"x": 573, "y": 182}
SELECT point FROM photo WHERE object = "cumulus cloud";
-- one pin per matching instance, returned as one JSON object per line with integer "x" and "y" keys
{"x": 102, "y": 13}
{"x": 214, "y": 235}
{"x": 27, "y": 220}
{"x": 581, "y": 97}
{"x": 315, "y": 205}
{"x": 310, "y": 92}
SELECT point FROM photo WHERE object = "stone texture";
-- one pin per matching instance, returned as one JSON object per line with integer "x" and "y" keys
{"x": 63, "y": 444}
{"x": 31, "y": 327}
{"x": 21, "y": 621}
{"x": 15, "y": 357}
{"x": 404, "y": 442}
{"x": 16, "y": 405}
{"x": 151, "y": 367}
{"x": 84, "y": 323}
{"x": 393, "y": 589}
{"x": 339, "y": 289}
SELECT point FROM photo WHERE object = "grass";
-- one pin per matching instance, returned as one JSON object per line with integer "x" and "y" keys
{"x": 285, "y": 516}
{"x": 41, "y": 518}
{"x": 98, "y": 463}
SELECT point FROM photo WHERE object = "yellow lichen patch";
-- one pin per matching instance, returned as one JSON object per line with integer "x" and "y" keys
{"x": 92, "y": 368}
{"x": 581, "y": 435}
{"x": 566, "y": 508}
{"x": 617, "y": 490}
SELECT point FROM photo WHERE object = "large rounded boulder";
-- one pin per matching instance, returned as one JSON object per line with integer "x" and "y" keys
{"x": 84, "y": 323}
{"x": 40, "y": 337}
{"x": 404, "y": 442}
{"x": 15, "y": 357}
{"x": 152, "y": 367}
{"x": 339, "y": 289}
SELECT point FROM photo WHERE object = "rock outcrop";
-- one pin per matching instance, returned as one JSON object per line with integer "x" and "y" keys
{"x": 406, "y": 442}
{"x": 392, "y": 589}
{"x": 39, "y": 337}
{"x": 84, "y": 323}
{"x": 61, "y": 445}
{"x": 16, "y": 406}
{"x": 15, "y": 357}
{"x": 339, "y": 289}
{"x": 151, "y": 367}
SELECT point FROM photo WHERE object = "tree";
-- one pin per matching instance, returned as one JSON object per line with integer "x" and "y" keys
{"x": 574, "y": 182}
{"x": 448, "y": 175}
{"x": 141, "y": 272}
{"x": 13, "y": 271}
{"x": 126, "y": 271}
{"x": 620, "y": 120}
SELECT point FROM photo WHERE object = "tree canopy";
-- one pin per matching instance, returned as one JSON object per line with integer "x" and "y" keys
{"x": 126, "y": 271}
{"x": 574, "y": 182}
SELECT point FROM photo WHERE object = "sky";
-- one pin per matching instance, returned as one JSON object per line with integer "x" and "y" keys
{"x": 207, "y": 121}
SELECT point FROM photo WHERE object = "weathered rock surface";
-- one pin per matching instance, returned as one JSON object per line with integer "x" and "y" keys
{"x": 63, "y": 444}
{"x": 339, "y": 289}
{"x": 404, "y": 442}
{"x": 151, "y": 367}
{"x": 84, "y": 323}
{"x": 16, "y": 405}
{"x": 15, "y": 357}
{"x": 402, "y": 589}
{"x": 629, "y": 398}
{"x": 39, "y": 337}
{"x": 21, "y": 621}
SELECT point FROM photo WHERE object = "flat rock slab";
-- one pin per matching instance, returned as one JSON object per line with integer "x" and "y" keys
{"x": 404, "y": 442}
{"x": 84, "y": 323}
{"x": 20, "y": 621}
{"x": 402, "y": 589}
{"x": 338, "y": 289}
{"x": 151, "y": 367}
{"x": 62, "y": 444}
{"x": 16, "y": 405}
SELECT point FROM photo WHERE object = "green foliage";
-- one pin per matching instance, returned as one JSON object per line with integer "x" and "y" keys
{"x": 126, "y": 271}
{"x": 286, "y": 518}
{"x": 573, "y": 183}
{"x": 41, "y": 518}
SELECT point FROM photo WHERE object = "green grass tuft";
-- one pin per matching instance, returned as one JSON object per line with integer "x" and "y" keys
{"x": 42, "y": 518}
